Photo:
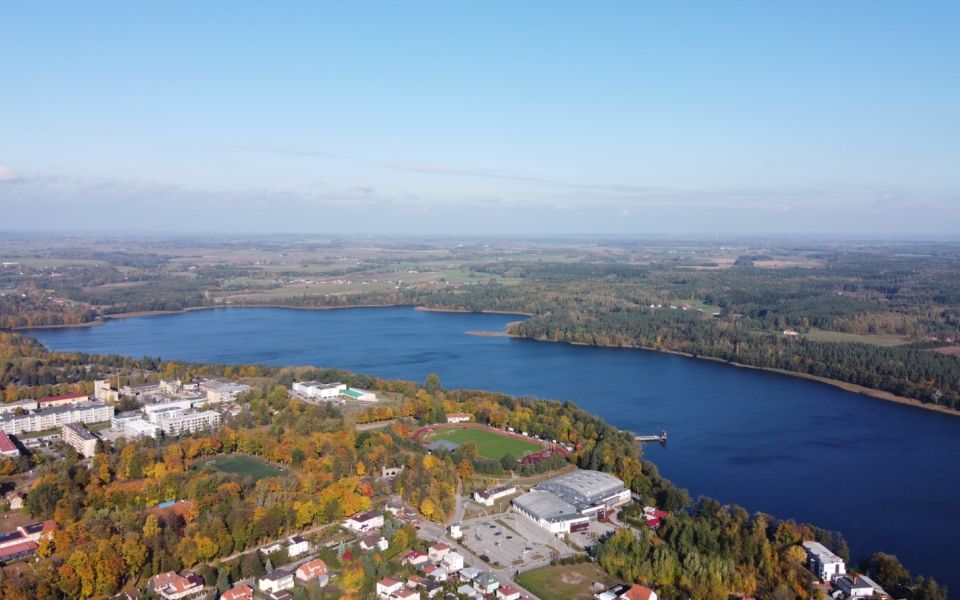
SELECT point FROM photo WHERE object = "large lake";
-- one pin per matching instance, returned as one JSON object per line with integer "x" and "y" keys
{"x": 886, "y": 475}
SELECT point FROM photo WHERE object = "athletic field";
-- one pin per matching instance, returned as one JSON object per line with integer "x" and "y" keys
{"x": 242, "y": 465}
{"x": 489, "y": 443}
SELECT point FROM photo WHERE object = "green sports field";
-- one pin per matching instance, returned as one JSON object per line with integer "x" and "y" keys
{"x": 489, "y": 444}
{"x": 242, "y": 465}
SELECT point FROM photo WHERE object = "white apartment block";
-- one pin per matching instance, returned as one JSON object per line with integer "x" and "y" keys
{"x": 191, "y": 422}
{"x": 158, "y": 413}
{"x": 57, "y": 416}
{"x": 76, "y": 435}
{"x": 223, "y": 391}
{"x": 132, "y": 425}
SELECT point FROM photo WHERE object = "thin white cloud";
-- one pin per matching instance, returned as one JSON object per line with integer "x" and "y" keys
{"x": 7, "y": 174}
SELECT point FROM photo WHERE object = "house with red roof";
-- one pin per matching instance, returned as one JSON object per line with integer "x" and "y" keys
{"x": 62, "y": 400}
{"x": 438, "y": 551}
{"x": 386, "y": 587}
{"x": 7, "y": 448}
{"x": 415, "y": 558}
{"x": 240, "y": 592}
{"x": 311, "y": 569}
{"x": 638, "y": 592}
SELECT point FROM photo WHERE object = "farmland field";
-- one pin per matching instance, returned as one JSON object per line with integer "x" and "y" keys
{"x": 489, "y": 444}
{"x": 820, "y": 335}
{"x": 242, "y": 465}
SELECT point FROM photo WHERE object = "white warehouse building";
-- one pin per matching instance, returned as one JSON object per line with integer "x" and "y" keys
{"x": 569, "y": 502}
{"x": 320, "y": 391}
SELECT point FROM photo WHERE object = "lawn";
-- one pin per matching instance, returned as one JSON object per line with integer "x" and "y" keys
{"x": 242, "y": 465}
{"x": 821, "y": 335}
{"x": 565, "y": 582}
{"x": 489, "y": 444}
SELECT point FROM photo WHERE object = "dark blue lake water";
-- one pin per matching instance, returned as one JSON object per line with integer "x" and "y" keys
{"x": 886, "y": 475}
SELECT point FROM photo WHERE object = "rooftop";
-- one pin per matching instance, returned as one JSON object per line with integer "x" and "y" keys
{"x": 584, "y": 482}
{"x": 80, "y": 431}
{"x": 545, "y": 505}
{"x": 821, "y": 552}
{"x": 6, "y": 444}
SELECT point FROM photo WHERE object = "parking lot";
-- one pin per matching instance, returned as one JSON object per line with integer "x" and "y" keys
{"x": 597, "y": 531}
{"x": 512, "y": 541}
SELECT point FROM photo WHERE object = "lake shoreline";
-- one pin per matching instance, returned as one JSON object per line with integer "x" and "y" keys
{"x": 180, "y": 311}
{"x": 843, "y": 385}
{"x": 849, "y": 387}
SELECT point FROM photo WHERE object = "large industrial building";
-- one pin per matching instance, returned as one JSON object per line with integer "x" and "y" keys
{"x": 569, "y": 502}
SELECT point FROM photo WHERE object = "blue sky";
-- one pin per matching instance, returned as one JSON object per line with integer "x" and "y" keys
{"x": 515, "y": 117}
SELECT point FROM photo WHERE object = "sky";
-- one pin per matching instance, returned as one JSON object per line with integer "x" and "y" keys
{"x": 632, "y": 118}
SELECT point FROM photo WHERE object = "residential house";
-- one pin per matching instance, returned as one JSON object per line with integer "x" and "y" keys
{"x": 469, "y": 574}
{"x": 468, "y": 591}
{"x": 415, "y": 558}
{"x": 638, "y": 592}
{"x": 435, "y": 573}
{"x": 486, "y": 583}
{"x": 312, "y": 569}
{"x": 374, "y": 541}
{"x": 280, "y": 595}
{"x": 364, "y": 522}
{"x": 271, "y": 548}
{"x": 438, "y": 551}
{"x": 177, "y": 586}
{"x": 452, "y": 562}
{"x": 394, "y": 506}
{"x": 296, "y": 546}
{"x": 432, "y": 589}
{"x": 405, "y": 594}
{"x": 241, "y": 591}
{"x": 489, "y": 497}
{"x": 275, "y": 581}
{"x": 858, "y": 586}
{"x": 386, "y": 587}
{"x": 508, "y": 592}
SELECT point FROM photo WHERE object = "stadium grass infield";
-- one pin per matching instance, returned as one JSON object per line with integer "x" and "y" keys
{"x": 490, "y": 444}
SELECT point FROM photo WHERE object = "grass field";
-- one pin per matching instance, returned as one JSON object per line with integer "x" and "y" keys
{"x": 489, "y": 444}
{"x": 565, "y": 582}
{"x": 242, "y": 465}
{"x": 820, "y": 335}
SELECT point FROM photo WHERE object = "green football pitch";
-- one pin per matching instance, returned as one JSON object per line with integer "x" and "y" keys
{"x": 489, "y": 444}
